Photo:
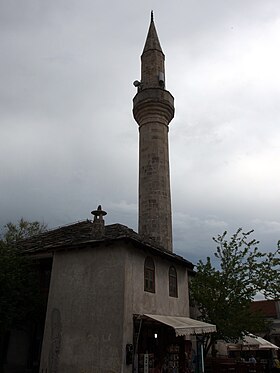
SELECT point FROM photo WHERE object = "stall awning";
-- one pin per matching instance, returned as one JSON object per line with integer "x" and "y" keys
{"x": 252, "y": 342}
{"x": 184, "y": 325}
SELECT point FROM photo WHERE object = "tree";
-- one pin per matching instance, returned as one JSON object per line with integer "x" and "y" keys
{"x": 23, "y": 229}
{"x": 223, "y": 296}
{"x": 19, "y": 284}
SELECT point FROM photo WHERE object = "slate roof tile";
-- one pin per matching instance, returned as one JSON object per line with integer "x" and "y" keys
{"x": 84, "y": 233}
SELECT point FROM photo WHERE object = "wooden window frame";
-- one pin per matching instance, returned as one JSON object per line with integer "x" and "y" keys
{"x": 149, "y": 275}
{"x": 173, "y": 282}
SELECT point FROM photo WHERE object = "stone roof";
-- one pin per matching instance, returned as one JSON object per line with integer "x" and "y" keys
{"x": 85, "y": 233}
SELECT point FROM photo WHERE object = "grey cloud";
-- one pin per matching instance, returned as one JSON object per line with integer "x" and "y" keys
{"x": 68, "y": 139}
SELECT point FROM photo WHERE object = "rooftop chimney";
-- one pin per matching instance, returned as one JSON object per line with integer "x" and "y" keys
{"x": 98, "y": 224}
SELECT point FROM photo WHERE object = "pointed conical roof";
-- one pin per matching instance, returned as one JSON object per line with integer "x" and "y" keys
{"x": 152, "y": 41}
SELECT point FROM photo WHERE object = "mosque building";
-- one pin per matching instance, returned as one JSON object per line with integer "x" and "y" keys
{"x": 118, "y": 301}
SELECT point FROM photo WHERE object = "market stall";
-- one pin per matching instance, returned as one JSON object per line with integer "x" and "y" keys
{"x": 167, "y": 343}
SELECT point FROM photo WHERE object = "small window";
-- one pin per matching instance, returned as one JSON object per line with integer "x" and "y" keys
{"x": 149, "y": 275}
{"x": 173, "y": 288}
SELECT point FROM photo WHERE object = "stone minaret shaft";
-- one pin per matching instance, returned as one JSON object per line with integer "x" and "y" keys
{"x": 153, "y": 109}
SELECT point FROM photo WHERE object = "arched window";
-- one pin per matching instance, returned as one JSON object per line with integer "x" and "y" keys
{"x": 149, "y": 275}
{"x": 173, "y": 288}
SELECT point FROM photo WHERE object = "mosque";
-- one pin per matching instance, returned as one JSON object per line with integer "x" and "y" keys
{"x": 118, "y": 300}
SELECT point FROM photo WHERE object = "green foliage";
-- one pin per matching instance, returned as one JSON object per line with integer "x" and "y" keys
{"x": 19, "y": 283}
{"x": 223, "y": 296}
{"x": 23, "y": 229}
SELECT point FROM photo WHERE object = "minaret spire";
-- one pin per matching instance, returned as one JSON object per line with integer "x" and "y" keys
{"x": 153, "y": 109}
{"x": 152, "y": 43}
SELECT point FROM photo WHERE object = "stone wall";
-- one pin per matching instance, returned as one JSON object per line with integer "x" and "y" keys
{"x": 83, "y": 331}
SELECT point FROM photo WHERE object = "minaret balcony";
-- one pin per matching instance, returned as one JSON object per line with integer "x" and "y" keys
{"x": 153, "y": 101}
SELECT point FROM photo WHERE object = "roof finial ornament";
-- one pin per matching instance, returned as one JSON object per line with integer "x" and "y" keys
{"x": 152, "y": 16}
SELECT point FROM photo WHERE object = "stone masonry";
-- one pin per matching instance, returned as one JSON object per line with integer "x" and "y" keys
{"x": 153, "y": 109}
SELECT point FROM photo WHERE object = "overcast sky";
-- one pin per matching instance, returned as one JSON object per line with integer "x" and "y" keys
{"x": 68, "y": 140}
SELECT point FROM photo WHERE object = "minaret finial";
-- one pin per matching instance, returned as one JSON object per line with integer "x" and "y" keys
{"x": 152, "y": 16}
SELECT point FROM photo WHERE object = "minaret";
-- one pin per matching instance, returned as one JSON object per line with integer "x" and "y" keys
{"x": 153, "y": 109}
